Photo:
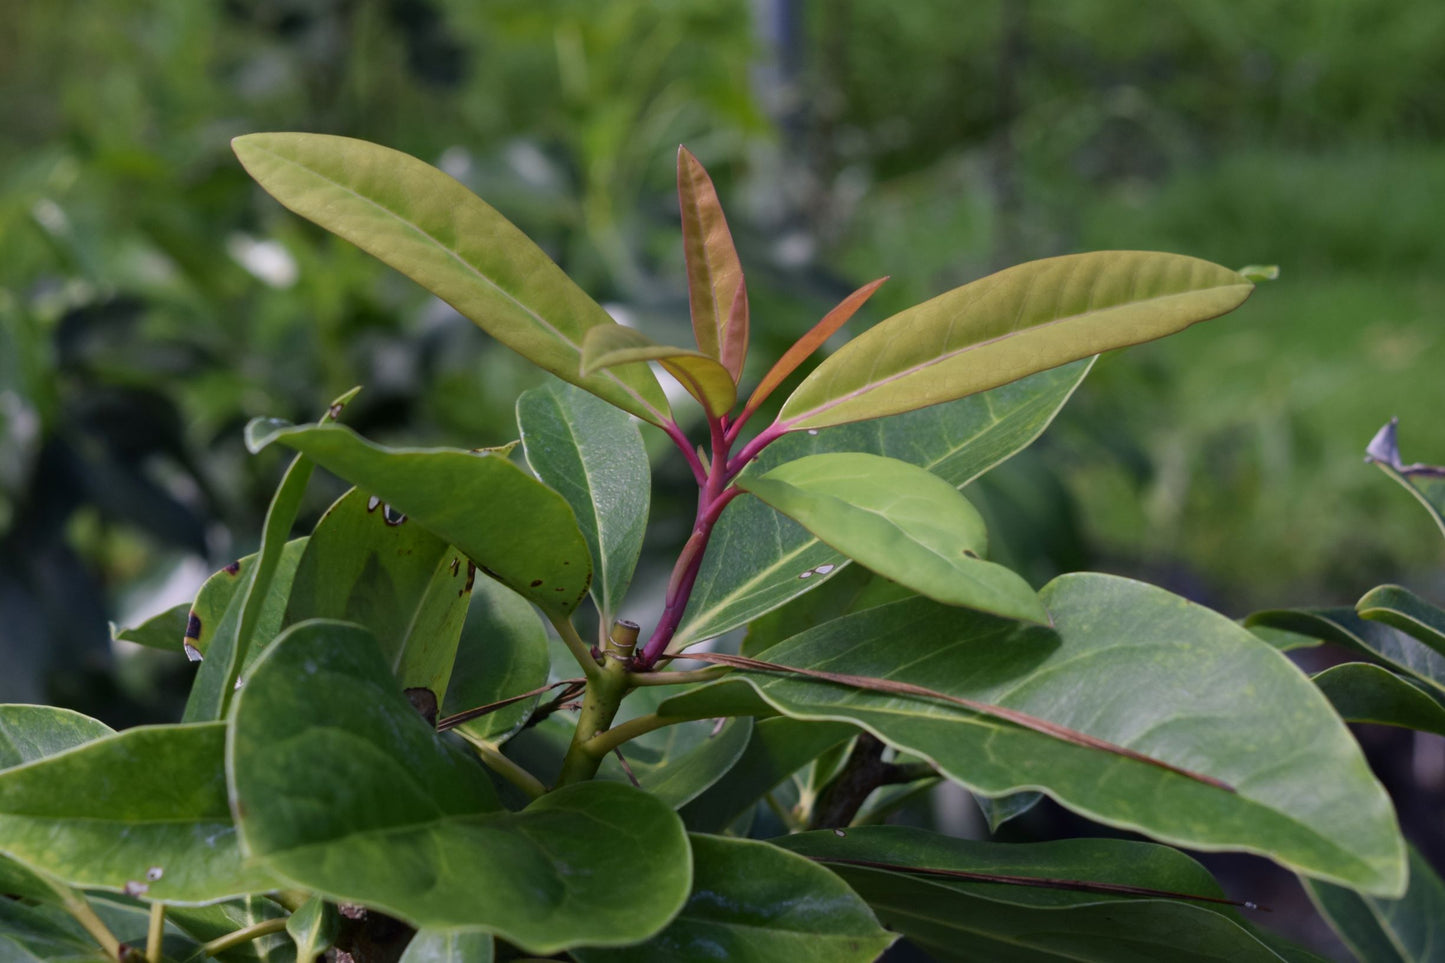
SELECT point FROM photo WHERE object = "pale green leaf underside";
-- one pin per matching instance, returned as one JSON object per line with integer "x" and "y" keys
{"x": 757, "y": 559}
{"x": 703, "y": 376}
{"x": 902, "y": 522}
{"x": 1135, "y": 666}
{"x": 429, "y": 227}
{"x": 1008, "y": 325}
{"x": 592, "y": 455}
{"x": 527, "y": 537}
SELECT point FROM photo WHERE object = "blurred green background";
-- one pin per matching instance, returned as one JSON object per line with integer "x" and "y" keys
{"x": 152, "y": 299}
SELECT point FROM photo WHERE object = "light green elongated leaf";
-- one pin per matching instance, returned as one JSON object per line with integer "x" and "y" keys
{"x": 513, "y": 527}
{"x": 681, "y": 762}
{"x": 1406, "y": 930}
{"x": 592, "y": 455}
{"x": 716, "y": 292}
{"x": 1014, "y": 323}
{"x": 1125, "y": 666}
{"x": 146, "y": 807}
{"x": 406, "y": 585}
{"x": 432, "y": 229}
{"x": 345, "y": 791}
{"x": 218, "y": 591}
{"x": 703, "y": 376}
{"x": 1363, "y": 692}
{"x": 997, "y": 811}
{"x": 313, "y": 928}
{"x": 1405, "y": 611}
{"x": 164, "y": 630}
{"x": 962, "y": 919}
{"x": 28, "y": 733}
{"x": 1375, "y": 639}
{"x": 502, "y": 652}
{"x": 777, "y": 749}
{"x": 1425, "y": 482}
{"x": 902, "y": 522}
{"x": 449, "y": 946}
{"x": 758, "y": 560}
{"x": 755, "y": 903}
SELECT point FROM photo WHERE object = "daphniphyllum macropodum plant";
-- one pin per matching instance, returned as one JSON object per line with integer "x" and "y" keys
{"x": 384, "y": 736}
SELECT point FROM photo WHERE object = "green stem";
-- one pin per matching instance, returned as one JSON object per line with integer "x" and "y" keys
{"x": 292, "y": 899}
{"x": 682, "y": 677}
{"x": 75, "y": 904}
{"x": 599, "y": 708}
{"x": 608, "y": 740}
{"x": 155, "y": 932}
{"x": 580, "y": 651}
{"x": 244, "y": 935}
{"x": 493, "y": 759}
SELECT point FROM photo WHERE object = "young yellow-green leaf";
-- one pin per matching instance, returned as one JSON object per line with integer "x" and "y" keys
{"x": 592, "y": 455}
{"x": 516, "y": 529}
{"x": 752, "y": 902}
{"x": 432, "y": 229}
{"x": 715, "y": 287}
{"x": 1363, "y": 692}
{"x": 1011, "y": 324}
{"x": 704, "y": 377}
{"x": 218, "y": 592}
{"x": 902, "y": 522}
{"x": 1406, "y": 930}
{"x": 1406, "y": 611}
{"x": 344, "y": 790}
{"x": 165, "y": 630}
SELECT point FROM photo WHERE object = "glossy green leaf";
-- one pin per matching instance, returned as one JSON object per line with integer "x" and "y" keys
{"x": 703, "y": 376}
{"x": 715, "y": 289}
{"x": 345, "y": 791}
{"x": 1361, "y": 692}
{"x": 513, "y": 527}
{"x": 592, "y": 455}
{"x": 1283, "y": 640}
{"x": 1406, "y": 930}
{"x": 1377, "y": 640}
{"x": 1008, "y": 325}
{"x": 313, "y": 927}
{"x": 757, "y": 560}
{"x": 502, "y": 652}
{"x": 1425, "y": 482}
{"x": 165, "y": 630}
{"x": 28, "y": 733}
{"x": 449, "y": 946}
{"x": 679, "y": 763}
{"x": 407, "y": 586}
{"x": 776, "y": 749}
{"x": 902, "y": 522}
{"x": 218, "y": 591}
{"x": 968, "y": 920}
{"x": 145, "y": 807}
{"x": 1405, "y": 611}
{"x": 997, "y": 811}
{"x": 1137, "y": 667}
{"x": 755, "y": 903}
{"x": 432, "y": 229}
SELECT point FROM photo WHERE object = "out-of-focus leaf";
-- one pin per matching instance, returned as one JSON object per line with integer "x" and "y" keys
{"x": 755, "y": 903}
{"x": 715, "y": 288}
{"x": 432, "y": 229}
{"x": 703, "y": 376}
{"x": 1406, "y": 930}
{"x": 1405, "y": 611}
{"x": 345, "y": 791}
{"x": 1425, "y": 482}
{"x": 1001, "y": 809}
{"x": 592, "y": 455}
{"x": 1362, "y": 692}
{"x": 902, "y": 522}
{"x": 313, "y": 928}
{"x": 757, "y": 560}
{"x": 516, "y": 529}
{"x": 502, "y": 652}
{"x": 28, "y": 733}
{"x": 1375, "y": 639}
{"x": 165, "y": 630}
{"x": 449, "y": 946}
{"x": 1008, "y": 325}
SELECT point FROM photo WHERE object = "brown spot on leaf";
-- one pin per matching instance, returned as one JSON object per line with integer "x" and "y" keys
{"x": 456, "y": 564}
{"x": 193, "y": 627}
{"x": 536, "y": 582}
{"x": 233, "y": 569}
{"x": 424, "y": 701}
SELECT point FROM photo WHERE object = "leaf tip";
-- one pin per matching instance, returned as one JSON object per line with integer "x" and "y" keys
{"x": 261, "y": 432}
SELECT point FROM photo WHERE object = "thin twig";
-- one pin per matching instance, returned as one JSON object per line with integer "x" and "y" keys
{"x": 452, "y": 721}
{"x": 580, "y": 650}
{"x": 617, "y": 751}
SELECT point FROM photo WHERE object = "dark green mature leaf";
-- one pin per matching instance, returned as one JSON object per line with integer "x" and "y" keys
{"x": 900, "y": 521}
{"x": 515, "y": 528}
{"x": 28, "y": 733}
{"x": 679, "y": 763}
{"x": 1361, "y": 692}
{"x": 1406, "y": 930}
{"x": 715, "y": 289}
{"x": 962, "y": 919}
{"x": 145, "y": 807}
{"x": 1008, "y": 325}
{"x": 165, "y": 630}
{"x": 1375, "y": 639}
{"x": 1425, "y": 482}
{"x": 407, "y": 586}
{"x": 777, "y": 749}
{"x": 39, "y": 934}
{"x": 345, "y": 791}
{"x": 1405, "y": 611}
{"x": 432, "y": 229}
{"x": 502, "y": 652}
{"x": 218, "y": 591}
{"x": 592, "y": 455}
{"x": 449, "y": 946}
{"x": 1125, "y": 666}
{"x": 755, "y": 903}
{"x": 703, "y": 376}
{"x": 758, "y": 560}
